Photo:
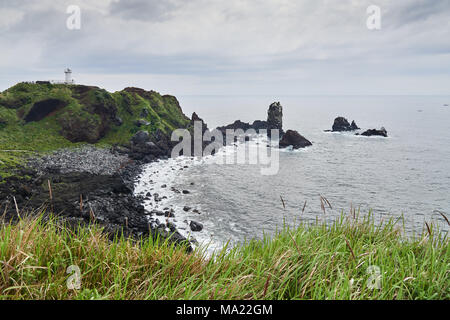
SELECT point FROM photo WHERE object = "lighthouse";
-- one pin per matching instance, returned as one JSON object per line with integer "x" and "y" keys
{"x": 68, "y": 73}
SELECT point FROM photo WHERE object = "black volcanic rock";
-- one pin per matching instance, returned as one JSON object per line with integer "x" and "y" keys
{"x": 294, "y": 139}
{"x": 140, "y": 137}
{"x": 196, "y": 226}
{"x": 195, "y": 117}
{"x": 341, "y": 124}
{"x": 275, "y": 118}
{"x": 374, "y": 132}
{"x": 238, "y": 124}
{"x": 274, "y": 121}
{"x": 259, "y": 125}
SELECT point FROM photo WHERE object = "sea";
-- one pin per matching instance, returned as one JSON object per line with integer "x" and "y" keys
{"x": 405, "y": 177}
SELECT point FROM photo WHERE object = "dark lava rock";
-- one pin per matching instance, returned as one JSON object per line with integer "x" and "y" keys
{"x": 195, "y": 118}
{"x": 374, "y": 132}
{"x": 353, "y": 126}
{"x": 186, "y": 208}
{"x": 147, "y": 148}
{"x": 141, "y": 137}
{"x": 169, "y": 214}
{"x": 157, "y": 212}
{"x": 237, "y": 125}
{"x": 275, "y": 118}
{"x": 172, "y": 227}
{"x": 294, "y": 139}
{"x": 196, "y": 226}
{"x": 341, "y": 124}
{"x": 259, "y": 125}
{"x": 163, "y": 142}
{"x": 186, "y": 192}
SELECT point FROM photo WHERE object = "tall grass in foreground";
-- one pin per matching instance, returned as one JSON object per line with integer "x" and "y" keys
{"x": 340, "y": 261}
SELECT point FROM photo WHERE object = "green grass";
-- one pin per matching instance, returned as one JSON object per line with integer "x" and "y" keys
{"x": 305, "y": 262}
{"x": 19, "y": 140}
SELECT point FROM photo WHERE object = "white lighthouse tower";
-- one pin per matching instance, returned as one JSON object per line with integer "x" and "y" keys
{"x": 68, "y": 73}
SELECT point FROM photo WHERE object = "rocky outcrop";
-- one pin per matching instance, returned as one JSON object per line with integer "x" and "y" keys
{"x": 195, "y": 118}
{"x": 237, "y": 125}
{"x": 274, "y": 121}
{"x": 257, "y": 125}
{"x": 275, "y": 118}
{"x": 148, "y": 147}
{"x": 140, "y": 137}
{"x": 374, "y": 132}
{"x": 196, "y": 226}
{"x": 294, "y": 139}
{"x": 341, "y": 124}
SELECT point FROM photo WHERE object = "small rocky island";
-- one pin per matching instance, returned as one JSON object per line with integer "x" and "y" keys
{"x": 341, "y": 124}
{"x": 274, "y": 121}
{"x": 375, "y": 132}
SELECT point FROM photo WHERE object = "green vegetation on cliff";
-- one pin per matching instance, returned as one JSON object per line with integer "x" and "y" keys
{"x": 41, "y": 117}
{"x": 351, "y": 259}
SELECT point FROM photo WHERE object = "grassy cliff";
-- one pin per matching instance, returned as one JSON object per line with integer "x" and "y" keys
{"x": 41, "y": 117}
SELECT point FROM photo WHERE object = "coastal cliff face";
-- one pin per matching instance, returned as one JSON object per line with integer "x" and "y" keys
{"x": 45, "y": 117}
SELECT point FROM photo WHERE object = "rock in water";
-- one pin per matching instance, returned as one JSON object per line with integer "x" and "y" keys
{"x": 353, "y": 126}
{"x": 275, "y": 118}
{"x": 196, "y": 226}
{"x": 341, "y": 124}
{"x": 374, "y": 132}
{"x": 294, "y": 139}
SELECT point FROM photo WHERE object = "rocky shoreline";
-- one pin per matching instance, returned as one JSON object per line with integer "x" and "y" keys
{"x": 82, "y": 186}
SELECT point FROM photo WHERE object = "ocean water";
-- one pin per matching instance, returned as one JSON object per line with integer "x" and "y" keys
{"x": 406, "y": 174}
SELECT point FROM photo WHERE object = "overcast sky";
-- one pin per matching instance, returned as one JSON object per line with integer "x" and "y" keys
{"x": 231, "y": 47}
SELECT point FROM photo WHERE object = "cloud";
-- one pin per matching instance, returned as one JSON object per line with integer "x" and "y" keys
{"x": 144, "y": 10}
{"x": 276, "y": 45}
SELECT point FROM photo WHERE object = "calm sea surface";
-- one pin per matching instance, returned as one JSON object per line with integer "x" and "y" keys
{"x": 407, "y": 173}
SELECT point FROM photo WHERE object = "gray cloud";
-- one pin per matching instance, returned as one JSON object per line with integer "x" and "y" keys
{"x": 264, "y": 45}
{"x": 415, "y": 12}
{"x": 145, "y": 9}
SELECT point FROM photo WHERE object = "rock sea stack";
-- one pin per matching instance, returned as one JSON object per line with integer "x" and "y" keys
{"x": 294, "y": 139}
{"x": 375, "y": 132}
{"x": 341, "y": 124}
